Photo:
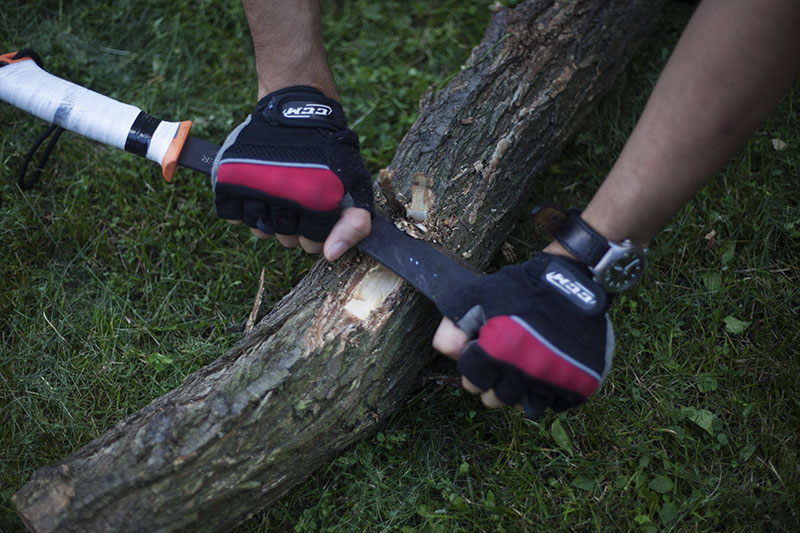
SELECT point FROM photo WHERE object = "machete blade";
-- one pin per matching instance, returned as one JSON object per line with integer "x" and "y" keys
{"x": 429, "y": 270}
{"x": 198, "y": 154}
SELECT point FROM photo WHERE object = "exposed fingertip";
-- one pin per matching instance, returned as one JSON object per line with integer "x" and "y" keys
{"x": 449, "y": 339}
{"x": 259, "y": 234}
{"x": 335, "y": 250}
{"x": 353, "y": 225}
{"x": 289, "y": 241}
{"x": 312, "y": 247}
{"x": 490, "y": 399}
{"x": 470, "y": 386}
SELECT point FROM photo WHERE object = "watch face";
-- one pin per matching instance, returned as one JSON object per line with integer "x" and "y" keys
{"x": 623, "y": 272}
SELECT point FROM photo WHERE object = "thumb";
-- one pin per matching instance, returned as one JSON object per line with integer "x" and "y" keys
{"x": 353, "y": 225}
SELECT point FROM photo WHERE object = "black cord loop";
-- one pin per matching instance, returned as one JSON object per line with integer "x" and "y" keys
{"x": 24, "y": 184}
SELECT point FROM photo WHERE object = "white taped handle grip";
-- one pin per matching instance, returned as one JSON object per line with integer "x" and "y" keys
{"x": 26, "y": 86}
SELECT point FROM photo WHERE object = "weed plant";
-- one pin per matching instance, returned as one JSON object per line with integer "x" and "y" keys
{"x": 114, "y": 286}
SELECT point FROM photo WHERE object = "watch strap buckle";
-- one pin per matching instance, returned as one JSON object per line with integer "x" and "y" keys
{"x": 549, "y": 216}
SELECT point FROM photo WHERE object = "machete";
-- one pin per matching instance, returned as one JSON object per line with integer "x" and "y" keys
{"x": 429, "y": 270}
{"x": 25, "y": 85}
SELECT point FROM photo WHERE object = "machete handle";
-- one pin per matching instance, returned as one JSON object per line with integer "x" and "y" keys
{"x": 25, "y": 85}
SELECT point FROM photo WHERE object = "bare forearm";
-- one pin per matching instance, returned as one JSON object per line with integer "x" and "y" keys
{"x": 733, "y": 63}
{"x": 287, "y": 38}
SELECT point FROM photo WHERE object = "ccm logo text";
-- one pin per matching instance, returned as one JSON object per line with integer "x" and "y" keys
{"x": 307, "y": 111}
{"x": 571, "y": 287}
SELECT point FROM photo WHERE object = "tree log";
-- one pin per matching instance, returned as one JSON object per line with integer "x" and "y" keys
{"x": 340, "y": 353}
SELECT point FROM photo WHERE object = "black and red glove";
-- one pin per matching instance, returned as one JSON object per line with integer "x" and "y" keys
{"x": 291, "y": 166}
{"x": 543, "y": 336}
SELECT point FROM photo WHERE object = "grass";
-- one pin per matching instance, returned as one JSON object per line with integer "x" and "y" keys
{"x": 114, "y": 286}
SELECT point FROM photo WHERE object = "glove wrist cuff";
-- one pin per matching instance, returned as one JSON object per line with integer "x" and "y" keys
{"x": 304, "y": 107}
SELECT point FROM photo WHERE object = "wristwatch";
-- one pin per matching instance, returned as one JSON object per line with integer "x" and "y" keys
{"x": 616, "y": 266}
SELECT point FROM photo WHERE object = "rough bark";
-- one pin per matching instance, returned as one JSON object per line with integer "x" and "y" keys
{"x": 340, "y": 353}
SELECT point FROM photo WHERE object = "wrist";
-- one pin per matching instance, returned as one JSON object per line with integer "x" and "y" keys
{"x": 326, "y": 87}
{"x": 555, "y": 248}
{"x": 299, "y": 69}
{"x": 615, "y": 264}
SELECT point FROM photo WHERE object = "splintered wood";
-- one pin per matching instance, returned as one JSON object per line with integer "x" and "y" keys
{"x": 393, "y": 202}
{"x": 412, "y": 218}
{"x": 422, "y": 198}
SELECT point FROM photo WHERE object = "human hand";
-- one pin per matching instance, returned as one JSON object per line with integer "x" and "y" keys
{"x": 543, "y": 336}
{"x": 293, "y": 169}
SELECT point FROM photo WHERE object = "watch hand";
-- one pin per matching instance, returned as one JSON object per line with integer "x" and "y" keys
{"x": 633, "y": 264}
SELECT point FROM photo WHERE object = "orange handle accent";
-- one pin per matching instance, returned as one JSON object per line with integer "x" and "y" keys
{"x": 8, "y": 58}
{"x": 170, "y": 160}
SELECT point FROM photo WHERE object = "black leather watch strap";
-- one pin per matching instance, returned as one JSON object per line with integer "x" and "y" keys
{"x": 581, "y": 240}
{"x": 569, "y": 229}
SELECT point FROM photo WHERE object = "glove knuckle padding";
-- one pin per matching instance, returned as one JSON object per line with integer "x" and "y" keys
{"x": 544, "y": 336}
{"x": 343, "y": 154}
{"x": 287, "y": 168}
